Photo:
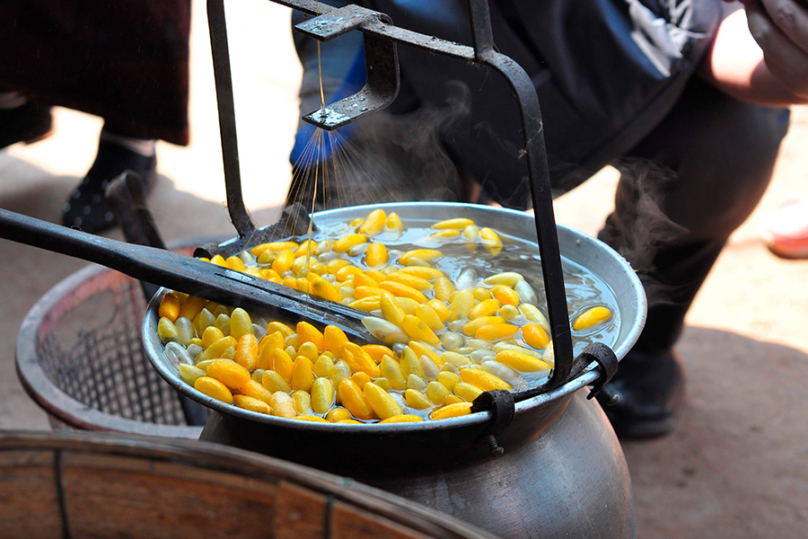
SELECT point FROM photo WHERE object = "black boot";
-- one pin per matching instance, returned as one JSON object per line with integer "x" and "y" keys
{"x": 651, "y": 390}
{"x": 27, "y": 123}
{"x": 87, "y": 207}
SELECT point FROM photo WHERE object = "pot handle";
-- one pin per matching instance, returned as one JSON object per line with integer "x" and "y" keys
{"x": 502, "y": 403}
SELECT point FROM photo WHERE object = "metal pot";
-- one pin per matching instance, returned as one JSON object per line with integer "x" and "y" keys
{"x": 562, "y": 474}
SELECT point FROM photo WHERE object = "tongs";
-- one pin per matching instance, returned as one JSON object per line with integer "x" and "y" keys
{"x": 184, "y": 274}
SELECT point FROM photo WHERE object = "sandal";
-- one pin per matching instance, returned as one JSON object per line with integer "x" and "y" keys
{"x": 87, "y": 207}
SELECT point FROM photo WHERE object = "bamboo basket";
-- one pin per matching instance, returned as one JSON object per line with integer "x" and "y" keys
{"x": 87, "y": 484}
{"x": 80, "y": 358}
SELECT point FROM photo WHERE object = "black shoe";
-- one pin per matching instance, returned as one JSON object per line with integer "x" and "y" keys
{"x": 651, "y": 390}
{"x": 27, "y": 123}
{"x": 87, "y": 207}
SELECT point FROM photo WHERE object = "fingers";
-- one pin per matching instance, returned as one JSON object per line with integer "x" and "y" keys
{"x": 791, "y": 18}
{"x": 785, "y": 59}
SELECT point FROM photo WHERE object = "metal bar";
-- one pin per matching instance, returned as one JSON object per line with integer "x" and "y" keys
{"x": 128, "y": 200}
{"x": 381, "y": 59}
{"x": 227, "y": 118}
{"x": 326, "y": 26}
{"x": 539, "y": 183}
{"x": 182, "y": 273}
{"x": 388, "y": 31}
{"x": 423, "y": 41}
{"x": 546, "y": 232}
{"x": 481, "y": 33}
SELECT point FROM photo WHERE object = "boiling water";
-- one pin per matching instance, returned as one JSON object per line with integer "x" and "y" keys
{"x": 584, "y": 289}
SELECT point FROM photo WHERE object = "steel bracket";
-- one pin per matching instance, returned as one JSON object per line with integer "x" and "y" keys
{"x": 608, "y": 363}
{"x": 501, "y": 405}
{"x": 381, "y": 60}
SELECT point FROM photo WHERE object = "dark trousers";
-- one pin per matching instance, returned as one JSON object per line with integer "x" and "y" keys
{"x": 684, "y": 189}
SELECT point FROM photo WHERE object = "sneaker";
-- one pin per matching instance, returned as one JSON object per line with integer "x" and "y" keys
{"x": 650, "y": 388}
{"x": 787, "y": 230}
{"x": 87, "y": 207}
{"x": 28, "y": 123}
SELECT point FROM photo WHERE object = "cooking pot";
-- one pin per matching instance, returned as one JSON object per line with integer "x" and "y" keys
{"x": 562, "y": 473}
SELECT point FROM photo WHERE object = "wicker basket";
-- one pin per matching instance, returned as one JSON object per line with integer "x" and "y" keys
{"x": 79, "y": 356}
{"x": 87, "y": 484}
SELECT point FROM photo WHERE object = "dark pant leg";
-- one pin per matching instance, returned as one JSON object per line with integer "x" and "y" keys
{"x": 683, "y": 191}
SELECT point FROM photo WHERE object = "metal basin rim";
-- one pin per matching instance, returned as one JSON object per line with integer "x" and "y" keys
{"x": 431, "y": 211}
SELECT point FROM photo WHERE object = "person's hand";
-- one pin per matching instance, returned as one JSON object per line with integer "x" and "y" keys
{"x": 780, "y": 27}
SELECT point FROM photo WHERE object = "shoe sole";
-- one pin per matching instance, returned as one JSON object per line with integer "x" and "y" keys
{"x": 641, "y": 431}
{"x": 790, "y": 252}
{"x": 39, "y": 137}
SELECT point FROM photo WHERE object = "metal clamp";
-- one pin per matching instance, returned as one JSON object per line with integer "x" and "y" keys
{"x": 608, "y": 363}
{"x": 293, "y": 222}
{"x": 501, "y": 405}
{"x": 381, "y": 59}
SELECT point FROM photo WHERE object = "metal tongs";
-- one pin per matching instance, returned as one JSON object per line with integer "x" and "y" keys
{"x": 183, "y": 273}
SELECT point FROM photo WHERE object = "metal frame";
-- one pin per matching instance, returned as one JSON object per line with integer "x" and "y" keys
{"x": 381, "y": 36}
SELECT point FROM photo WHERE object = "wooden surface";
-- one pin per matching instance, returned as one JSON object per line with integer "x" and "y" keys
{"x": 29, "y": 505}
{"x": 79, "y": 484}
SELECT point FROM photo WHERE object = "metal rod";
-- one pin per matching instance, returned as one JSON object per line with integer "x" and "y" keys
{"x": 539, "y": 184}
{"x": 481, "y": 33}
{"x": 388, "y": 31}
{"x": 227, "y": 118}
{"x": 183, "y": 273}
{"x": 128, "y": 200}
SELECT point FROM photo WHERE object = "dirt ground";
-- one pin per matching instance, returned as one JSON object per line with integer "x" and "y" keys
{"x": 736, "y": 465}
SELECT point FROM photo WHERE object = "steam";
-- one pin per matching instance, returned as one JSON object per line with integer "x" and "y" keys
{"x": 388, "y": 157}
{"x": 519, "y": 197}
{"x": 405, "y": 156}
{"x": 640, "y": 229}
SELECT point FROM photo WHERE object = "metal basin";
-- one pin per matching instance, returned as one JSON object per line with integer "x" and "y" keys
{"x": 435, "y": 461}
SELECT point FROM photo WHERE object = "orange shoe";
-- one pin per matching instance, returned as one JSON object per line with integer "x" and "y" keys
{"x": 787, "y": 230}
